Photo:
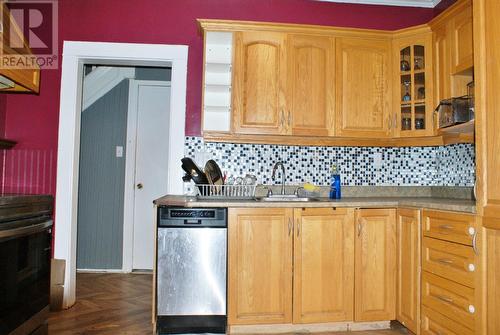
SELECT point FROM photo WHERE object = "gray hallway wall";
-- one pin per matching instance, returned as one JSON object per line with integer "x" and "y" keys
{"x": 102, "y": 181}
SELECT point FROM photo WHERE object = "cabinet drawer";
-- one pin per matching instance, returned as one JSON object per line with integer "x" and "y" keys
{"x": 449, "y": 260}
{"x": 453, "y": 300}
{"x": 453, "y": 227}
{"x": 434, "y": 323}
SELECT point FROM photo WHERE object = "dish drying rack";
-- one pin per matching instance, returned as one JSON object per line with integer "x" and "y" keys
{"x": 225, "y": 192}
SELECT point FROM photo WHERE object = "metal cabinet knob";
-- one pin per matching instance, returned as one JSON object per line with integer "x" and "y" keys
{"x": 140, "y": 186}
{"x": 472, "y": 309}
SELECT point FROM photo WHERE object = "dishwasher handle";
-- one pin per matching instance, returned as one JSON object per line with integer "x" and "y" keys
{"x": 187, "y": 221}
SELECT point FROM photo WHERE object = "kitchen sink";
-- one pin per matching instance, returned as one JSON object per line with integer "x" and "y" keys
{"x": 285, "y": 198}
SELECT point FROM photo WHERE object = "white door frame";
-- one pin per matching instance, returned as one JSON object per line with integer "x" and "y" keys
{"x": 75, "y": 55}
{"x": 129, "y": 198}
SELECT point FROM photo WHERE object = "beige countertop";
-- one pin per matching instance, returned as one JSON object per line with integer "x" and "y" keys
{"x": 446, "y": 204}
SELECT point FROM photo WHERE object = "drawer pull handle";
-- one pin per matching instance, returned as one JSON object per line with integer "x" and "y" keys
{"x": 472, "y": 231}
{"x": 472, "y": 309}
{"x": 471, "y": 267}
{"x": 445, "y": 299}
{"x": 289, "y": 226}
{"x": 474, "y": 244}
{"x": 446, "y": 226}
{"x": 445, "y": 261}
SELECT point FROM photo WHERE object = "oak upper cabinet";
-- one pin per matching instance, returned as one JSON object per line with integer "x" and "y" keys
{"x": 260, "y": 266}
{"x": 259, "y": 79}
{"x": 412, "y": 64}
{"x": 453, "y": 51}
{"x": 442, "y": 63}
{"x": 375, "y": 265}
{"x": 323, "y": 265}
{"x": 16, "y": 79}
{"x": 363, "y": 96}
{"x": 408, "y": 261}
{"x": 311, "y": 85}
{"x": 462, "y": 48}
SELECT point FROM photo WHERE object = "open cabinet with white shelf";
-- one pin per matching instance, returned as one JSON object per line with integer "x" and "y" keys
{"x": 217, "y": 81}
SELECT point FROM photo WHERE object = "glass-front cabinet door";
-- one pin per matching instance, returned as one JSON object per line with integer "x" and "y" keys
{"x": 413, "y": 91}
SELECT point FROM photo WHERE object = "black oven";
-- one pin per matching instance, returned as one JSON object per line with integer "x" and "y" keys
{"x": 25, "y": 254}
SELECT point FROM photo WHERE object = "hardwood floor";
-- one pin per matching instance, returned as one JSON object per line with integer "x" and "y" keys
{"x": 107, "y": 304}
{"x": 120, "y": 304}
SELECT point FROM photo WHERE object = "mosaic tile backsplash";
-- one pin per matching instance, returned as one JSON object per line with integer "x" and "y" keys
{"x": 452, "y": 165}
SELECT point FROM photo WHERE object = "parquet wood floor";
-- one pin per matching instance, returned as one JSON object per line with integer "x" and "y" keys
{"x": 107, "y": 304}
{"x": 120, "y": 304}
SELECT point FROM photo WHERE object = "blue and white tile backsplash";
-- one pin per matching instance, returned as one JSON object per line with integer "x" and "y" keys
{"x": 452, "y": 165}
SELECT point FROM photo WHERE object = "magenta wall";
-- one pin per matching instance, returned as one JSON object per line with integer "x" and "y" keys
{"x": 33, "y": 120}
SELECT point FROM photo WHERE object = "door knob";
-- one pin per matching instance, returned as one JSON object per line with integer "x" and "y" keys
{"x": 140, "y": 186}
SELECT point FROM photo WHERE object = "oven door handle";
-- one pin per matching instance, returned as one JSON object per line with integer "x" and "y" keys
{"x": 28, "y": 230}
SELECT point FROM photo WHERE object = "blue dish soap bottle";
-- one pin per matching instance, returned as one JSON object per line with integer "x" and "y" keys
{"x": 335, "y": 185}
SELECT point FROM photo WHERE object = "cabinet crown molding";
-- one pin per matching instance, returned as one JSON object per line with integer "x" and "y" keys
{"x": 404, "y": 3}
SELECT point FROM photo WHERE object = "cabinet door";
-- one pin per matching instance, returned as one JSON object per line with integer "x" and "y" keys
{"x": 323, "y": 265}
{"x": 442, "y": 66}
{"x": 493, "y": 281}
{"x": 25, "y": 79}
{"x": 487, "y": 99}
{"x": 413, "y": 102}
{"x": 408, "y": 280}
{"x": 375, "y": 265}
{"x": 260, "y": 266}
{"x": 463, "y": 51}
{"x": 259, "y": 83}
{"x": 363, "y": 92}
{"x": 311, "y": 85}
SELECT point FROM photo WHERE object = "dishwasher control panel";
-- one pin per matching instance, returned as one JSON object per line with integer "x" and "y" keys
{"x": 192, "y": 217}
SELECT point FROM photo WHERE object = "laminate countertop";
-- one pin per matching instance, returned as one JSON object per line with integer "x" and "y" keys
{"x": 445, "y": 204}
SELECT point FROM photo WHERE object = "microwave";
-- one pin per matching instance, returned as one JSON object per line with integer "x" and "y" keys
{"x": 454, "y": 111}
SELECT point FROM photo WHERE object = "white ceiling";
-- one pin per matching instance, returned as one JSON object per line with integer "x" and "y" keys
{"x": 406, "y": 3}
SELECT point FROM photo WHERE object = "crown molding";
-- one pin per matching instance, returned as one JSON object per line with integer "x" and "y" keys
{"x": 404, "y": 3}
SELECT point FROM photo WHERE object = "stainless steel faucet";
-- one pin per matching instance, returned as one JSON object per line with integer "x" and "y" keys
{"x": 275, "y": 167}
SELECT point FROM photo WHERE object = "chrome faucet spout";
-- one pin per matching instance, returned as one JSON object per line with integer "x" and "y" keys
{"x": 275, "y": 167}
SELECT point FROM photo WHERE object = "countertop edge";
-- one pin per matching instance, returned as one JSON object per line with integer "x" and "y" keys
{"x": 445, "y": 204}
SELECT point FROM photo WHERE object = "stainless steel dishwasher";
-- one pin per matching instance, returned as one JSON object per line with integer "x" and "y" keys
{"x": 191, "y": 270}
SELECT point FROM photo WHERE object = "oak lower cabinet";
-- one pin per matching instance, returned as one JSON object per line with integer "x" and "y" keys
{"x": 408, "y": 260}
{"x": 493, "y": 281}
{"x": 260, "y": 266}
{"x": 363, "y": 96}
{"x": 341, "y": 261}
{"x": 375, "y": 265}
{"x": 323, "y": 265}
{"x": 451, "y": 271}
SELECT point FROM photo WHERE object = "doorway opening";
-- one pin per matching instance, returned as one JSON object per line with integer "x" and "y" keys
{"x": 75, "y": 56}
{"x": 123, "y": 165}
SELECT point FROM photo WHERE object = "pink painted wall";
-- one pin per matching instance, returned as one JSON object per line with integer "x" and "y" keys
{"x": 32, "y": 120}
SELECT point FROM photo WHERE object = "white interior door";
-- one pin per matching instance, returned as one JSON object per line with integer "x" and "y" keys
{"x": 151, "y": 158}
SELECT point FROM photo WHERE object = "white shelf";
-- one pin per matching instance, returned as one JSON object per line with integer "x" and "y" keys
{"x": 217, "y": 86}
{"x": 463, "y": 128}
{"x": 217, "y": 119}
{"x": 217, "y": 74}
